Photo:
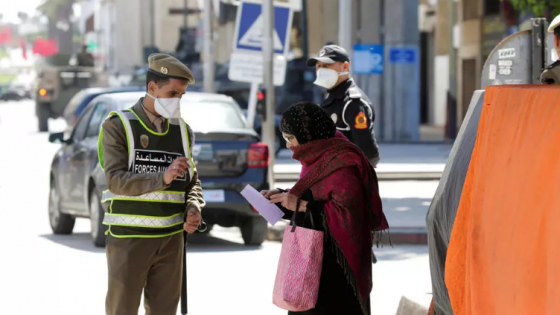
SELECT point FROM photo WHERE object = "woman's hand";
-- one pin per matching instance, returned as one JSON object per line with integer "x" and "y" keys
{"x": 288, "y": 203}
{"x": 269, "y": 193}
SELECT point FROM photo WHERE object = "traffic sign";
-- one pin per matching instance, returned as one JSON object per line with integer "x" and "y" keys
{"x": 246, "y": 61}
{"x": 402, "y": 55}
{"x": 367, "y": 59}
{"x": 249, "y": 29}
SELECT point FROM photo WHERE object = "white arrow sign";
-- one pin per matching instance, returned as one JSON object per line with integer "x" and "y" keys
{"x": 254, "y": 36}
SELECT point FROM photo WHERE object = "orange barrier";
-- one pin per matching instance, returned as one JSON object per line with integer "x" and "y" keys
{"x": 504, "y": 252}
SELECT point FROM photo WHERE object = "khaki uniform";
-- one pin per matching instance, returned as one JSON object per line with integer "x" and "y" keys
{"x": 152, "y": 265}
{"x": 551, "y": 74}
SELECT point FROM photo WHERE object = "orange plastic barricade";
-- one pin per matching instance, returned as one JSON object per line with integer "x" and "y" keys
{"x": 504, "y": 253}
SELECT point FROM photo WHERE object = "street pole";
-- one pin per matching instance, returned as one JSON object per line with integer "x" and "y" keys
{"x": 452, "y": 95}
{"x": 345, "y": 24}
{"x": 208, "y": 48}
{"x": 186, "y": 5}
{"x": 268, "y": 68}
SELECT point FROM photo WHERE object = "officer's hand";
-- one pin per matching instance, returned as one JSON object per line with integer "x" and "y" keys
{"x": 178, "y": 168}
{"x": 193, "y": 220}
{"x": 269, "y": 193}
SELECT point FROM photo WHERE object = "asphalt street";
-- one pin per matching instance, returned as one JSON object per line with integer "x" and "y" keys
{"x": 41, "y": 273}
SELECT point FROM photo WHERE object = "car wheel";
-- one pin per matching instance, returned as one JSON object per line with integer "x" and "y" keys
{"x": 60, "y": 223}
{"x": 43, "y": 117}
{"x": 96, "y": 213}
{"x": 254, "y": 231}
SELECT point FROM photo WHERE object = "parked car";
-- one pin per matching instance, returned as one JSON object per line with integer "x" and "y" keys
{"x": 227, "y": 153}
{"x": 8, "y": 94}
{"x": 78, "y": 103}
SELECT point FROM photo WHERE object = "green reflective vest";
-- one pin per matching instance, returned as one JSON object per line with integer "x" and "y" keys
{"x": 158, "y": 213}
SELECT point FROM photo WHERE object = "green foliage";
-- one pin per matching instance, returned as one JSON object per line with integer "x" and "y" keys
{"x": 539, "y": 7}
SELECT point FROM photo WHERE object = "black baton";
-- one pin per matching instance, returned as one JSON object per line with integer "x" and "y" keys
{"x": 184, "y": 306}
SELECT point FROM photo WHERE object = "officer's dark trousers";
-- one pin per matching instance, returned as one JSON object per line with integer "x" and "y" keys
{"x": 150, "y": 264}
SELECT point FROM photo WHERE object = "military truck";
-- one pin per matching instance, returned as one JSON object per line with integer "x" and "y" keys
{"x": 55, "y": 86}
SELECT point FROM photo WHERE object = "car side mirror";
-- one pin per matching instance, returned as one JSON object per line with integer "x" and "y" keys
{"x": 57, "y": 138}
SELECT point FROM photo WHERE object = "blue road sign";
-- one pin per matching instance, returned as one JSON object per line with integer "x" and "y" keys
{"x": 367, "y": 59}
{"x": 249, "y": 28}
{"x": 402, "y": 55}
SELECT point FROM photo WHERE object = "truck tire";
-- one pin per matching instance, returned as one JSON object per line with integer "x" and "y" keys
{"x": 254, "y": 231}
{"x": 60, "y": 223}
{"x": 43, "y": 115}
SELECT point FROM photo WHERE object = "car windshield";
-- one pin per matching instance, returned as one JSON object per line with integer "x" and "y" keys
{"x": 206, "y": 115}
{"x": 210, "y": 115}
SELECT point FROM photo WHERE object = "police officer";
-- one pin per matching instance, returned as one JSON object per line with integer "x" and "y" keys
{"x": 154, "y": 193}
{"x": 347, "y": 104}
{"x": 551, "y": 74}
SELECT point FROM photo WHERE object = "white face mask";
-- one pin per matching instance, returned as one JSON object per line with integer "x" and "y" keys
{"x": 167, "y": 107}
{"x": 327, "y": 78}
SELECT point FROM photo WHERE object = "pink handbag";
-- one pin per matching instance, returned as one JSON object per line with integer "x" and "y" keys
{"x": 299, "y": 270}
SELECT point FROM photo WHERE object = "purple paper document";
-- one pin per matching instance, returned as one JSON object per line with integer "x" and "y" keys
{"x": 269, "y": 211}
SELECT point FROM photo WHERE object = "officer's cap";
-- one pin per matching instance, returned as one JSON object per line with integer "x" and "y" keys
{"x": 555, "y": 23}
{"x": 170, "y": 67}
{"x": 329, "y": 54}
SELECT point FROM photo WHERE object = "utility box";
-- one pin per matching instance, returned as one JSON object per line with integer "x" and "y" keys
{"x": 521, "y": 57}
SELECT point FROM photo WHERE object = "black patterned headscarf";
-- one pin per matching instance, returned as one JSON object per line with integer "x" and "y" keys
{"x": 307, "y": 121}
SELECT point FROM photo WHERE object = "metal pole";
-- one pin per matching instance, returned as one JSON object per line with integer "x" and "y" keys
{"x": 186, "y": 5}
{"x": 252, "y": 106}
{"x": 268, "y": 68}
{"x": 304, "y": 32}
{"x": 452, "y": 95}
{"x": 345, "y": 24}
{"x": 208, "y": 48}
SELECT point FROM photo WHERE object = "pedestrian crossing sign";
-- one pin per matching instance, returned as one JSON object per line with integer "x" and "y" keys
{"x": 249, "y": 27}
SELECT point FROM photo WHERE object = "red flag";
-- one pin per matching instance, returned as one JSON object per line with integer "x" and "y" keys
{"x": 44, "y": 47}
{"x": 23, "y": 45}
{"x": 5, "y": 35}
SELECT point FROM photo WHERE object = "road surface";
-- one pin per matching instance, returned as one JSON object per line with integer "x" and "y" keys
{"x": 41, "y": 273}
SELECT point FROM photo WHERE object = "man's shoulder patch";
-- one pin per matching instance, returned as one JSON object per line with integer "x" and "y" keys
{"x": 361, "y": 121}
{"x": 354, "y": 92}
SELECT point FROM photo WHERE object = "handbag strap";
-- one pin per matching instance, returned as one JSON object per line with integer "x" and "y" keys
{"x": 293, "y": 223}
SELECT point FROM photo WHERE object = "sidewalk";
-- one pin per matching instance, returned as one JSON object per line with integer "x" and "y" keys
{"x": 398, "y": 161}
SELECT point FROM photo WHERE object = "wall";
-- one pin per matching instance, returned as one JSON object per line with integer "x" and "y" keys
{"x": 167, "y": 27}
{"x": 441, "y": 85}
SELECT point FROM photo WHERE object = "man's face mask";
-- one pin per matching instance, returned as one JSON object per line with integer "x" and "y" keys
{"x": 167, "y": 107}
{"x": 327, "y": 78}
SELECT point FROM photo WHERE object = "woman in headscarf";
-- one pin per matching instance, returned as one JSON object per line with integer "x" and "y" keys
{"x": 339, "y": 195}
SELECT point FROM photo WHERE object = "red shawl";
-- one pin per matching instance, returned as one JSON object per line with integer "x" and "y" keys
{"x": 338, "y": 172}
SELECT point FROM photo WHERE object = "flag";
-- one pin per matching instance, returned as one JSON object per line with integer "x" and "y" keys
{"x": 45, "y": 47}
{"x": 5, "y": 35}
{"x": 23, "y": 45}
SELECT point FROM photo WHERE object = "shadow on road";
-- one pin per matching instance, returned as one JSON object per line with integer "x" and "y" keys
{"x": 198, "y": 243}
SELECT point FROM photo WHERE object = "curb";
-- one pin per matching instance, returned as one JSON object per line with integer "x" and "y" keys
{"x": 409, "y": 307}
{"x": 293, "y": 177}
{"x": 402, "y": 236}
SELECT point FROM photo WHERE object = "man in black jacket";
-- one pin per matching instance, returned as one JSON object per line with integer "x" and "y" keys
{"x": 346, "y": 103}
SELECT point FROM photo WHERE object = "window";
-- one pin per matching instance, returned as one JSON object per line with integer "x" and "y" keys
{"x": 97, "y": 117}
{"x": 470, "y": 10}
{"x": 492, "y": 7}
{"x": 81, "y": 126}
